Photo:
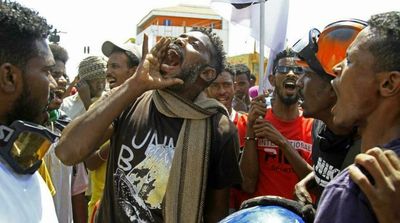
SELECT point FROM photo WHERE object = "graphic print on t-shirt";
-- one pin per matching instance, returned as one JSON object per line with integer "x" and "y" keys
{"x": 142, "y": 187}
{"x": 324, "y": 172}
{"x": 274, "y": 156}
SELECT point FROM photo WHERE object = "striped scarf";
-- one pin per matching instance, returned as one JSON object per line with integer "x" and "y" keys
{"x": 185, "y": 194}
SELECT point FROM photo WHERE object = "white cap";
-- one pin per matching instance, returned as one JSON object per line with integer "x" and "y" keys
{"x": 130, "y": 48}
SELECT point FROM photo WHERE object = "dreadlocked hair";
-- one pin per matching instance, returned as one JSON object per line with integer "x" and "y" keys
{"x": 20, "y": 27}
{"x": 385, "y": 45}
{"x": 217, "y": 57}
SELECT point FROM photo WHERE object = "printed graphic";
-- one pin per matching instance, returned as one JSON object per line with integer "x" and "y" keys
{"x": 141, "y": 188}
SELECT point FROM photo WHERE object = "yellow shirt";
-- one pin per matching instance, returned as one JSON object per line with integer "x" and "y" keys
{"x": 46, "y": 177}
{"x": 98, "y": 178}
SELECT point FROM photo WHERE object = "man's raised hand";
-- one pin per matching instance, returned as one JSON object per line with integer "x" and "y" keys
{"x": 148, "y": 72}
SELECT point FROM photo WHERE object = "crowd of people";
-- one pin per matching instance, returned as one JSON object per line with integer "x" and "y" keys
{"x": 176, "y": 134}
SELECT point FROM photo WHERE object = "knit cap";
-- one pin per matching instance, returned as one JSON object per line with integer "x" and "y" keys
{"x": 92, "y": 67}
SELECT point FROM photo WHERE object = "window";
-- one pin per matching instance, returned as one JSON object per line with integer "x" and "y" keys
{"x": 212, "y": 25}
{"x": 167, "y": 22}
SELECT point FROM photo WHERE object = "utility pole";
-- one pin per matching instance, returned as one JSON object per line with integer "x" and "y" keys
{"x": 86, "y": 49}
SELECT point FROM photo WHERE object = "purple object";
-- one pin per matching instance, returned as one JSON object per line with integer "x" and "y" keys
{"x": 253, "y": 91}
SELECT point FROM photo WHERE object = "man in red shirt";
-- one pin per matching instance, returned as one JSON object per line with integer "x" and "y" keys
{"x": 277, "y": 149}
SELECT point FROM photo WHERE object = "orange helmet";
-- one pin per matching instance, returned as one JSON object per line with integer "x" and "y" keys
{"x": 322, "y": 51}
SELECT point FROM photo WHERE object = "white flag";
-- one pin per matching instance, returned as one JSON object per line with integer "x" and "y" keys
{"x": 247, "y": 13}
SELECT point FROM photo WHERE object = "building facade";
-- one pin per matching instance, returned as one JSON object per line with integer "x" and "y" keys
{"x": 173, "y": 21}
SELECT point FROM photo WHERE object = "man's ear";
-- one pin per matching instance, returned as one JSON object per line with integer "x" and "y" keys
{"x": 271, "y": 79}
{"x": 389, "y": 83}
{"x": 10, "y": 77}
{"x": 208, "y": 74}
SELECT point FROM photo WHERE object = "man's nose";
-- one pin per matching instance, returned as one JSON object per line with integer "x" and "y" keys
{"x": 62, "y": 82}
{"x": 292, "y": 74}
{"x": 337, "y": 69}
{"x": 221, "y": 90}
{"x": 52, "y": 82}
{"x": 180, "y": 41}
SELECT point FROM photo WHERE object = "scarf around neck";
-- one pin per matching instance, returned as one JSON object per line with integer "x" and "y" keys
{"x": 185, "y": 193}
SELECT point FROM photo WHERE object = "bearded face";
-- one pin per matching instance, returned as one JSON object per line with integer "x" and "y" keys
{"x": 287, "y": 99}
{"x": 189, "y": 76}
{"x": 26, "y": 108}
{"x": 286, "y": 75}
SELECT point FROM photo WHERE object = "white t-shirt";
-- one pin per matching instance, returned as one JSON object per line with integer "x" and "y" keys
{"x": 24, "y": 198}
{"x": 73, "y": 106}
{"x": 61, "y": 176}
{"x": 232, "y": 115}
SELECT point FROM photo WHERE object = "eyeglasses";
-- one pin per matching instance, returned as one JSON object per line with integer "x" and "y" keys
{"x": 286, "y": 69}
{"x": 24, "y": 144}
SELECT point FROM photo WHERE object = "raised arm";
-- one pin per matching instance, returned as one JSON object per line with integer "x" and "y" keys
{"x": 264, "y": 129}
{"x": 249, "y": 161}
{"x": 83, "y": 135}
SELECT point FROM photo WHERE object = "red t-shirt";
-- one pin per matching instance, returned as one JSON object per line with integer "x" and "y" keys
{"x": 276, "y": 176}
{"x": 240, "y": 122}
{"x": 236, "y": 195}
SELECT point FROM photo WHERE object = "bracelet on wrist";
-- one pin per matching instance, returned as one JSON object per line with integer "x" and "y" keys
{"x": 99, "y": 155}
{"x": 247, "y": 138}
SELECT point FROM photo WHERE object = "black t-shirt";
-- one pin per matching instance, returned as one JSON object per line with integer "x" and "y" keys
{"x": 328, "y": 152}
{"x": 142, "y": 149}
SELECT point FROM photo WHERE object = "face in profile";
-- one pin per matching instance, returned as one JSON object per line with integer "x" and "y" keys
{"x": 355, "y": 84}
{"x": 57, "y": 92}
{"x": 316, "y": 94}
{"x": 32, "y": 103}
{"x": 58, "y": 73}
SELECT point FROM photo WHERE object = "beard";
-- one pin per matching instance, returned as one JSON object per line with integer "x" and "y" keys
{"x": 189, "y": 77}
{"x": 287, "y": 100}
{"x": 25, "y": 108}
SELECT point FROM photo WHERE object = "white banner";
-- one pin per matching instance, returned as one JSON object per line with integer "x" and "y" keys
{"x": 276, "y": 20}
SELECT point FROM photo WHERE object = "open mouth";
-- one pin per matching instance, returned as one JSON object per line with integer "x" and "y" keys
{"x": 289, "y": 84}
{"x": 111, "y": 80}
{"x": 222, "y": 99}
{"x": 173, "y": 59}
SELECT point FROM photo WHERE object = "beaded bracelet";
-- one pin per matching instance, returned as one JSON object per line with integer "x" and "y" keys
{"x": 247, "y": 138}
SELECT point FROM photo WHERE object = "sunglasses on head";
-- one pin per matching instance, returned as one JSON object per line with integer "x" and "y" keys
{"x": 24, "y": 144}
{"x": 286, "y": 69}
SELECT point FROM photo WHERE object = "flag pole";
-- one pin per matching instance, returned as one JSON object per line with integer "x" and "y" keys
{"x": 261, "y": 62}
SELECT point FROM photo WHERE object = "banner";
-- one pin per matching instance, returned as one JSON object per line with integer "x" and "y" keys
{"x": 247, "y": 13}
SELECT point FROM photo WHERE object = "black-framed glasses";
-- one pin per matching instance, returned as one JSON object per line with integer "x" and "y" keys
{"x": 24, "y": 144}
{"x": 285, "y": 69}
{"x": 307, "y": 48}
